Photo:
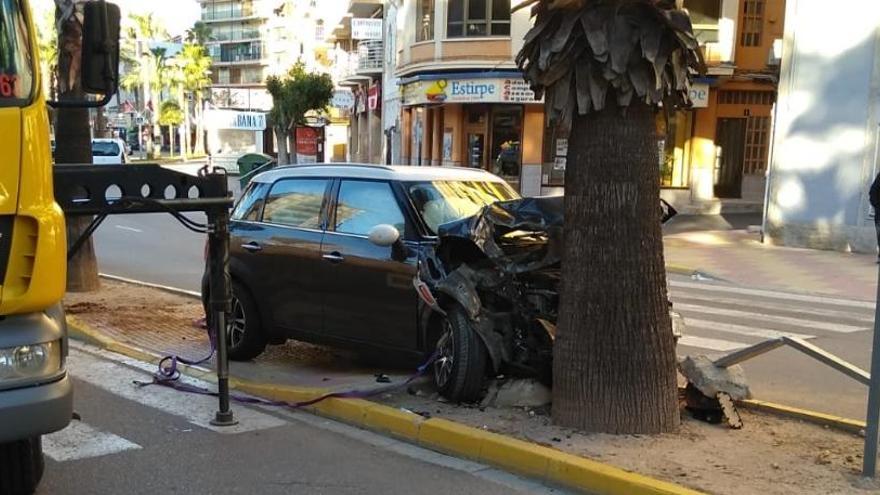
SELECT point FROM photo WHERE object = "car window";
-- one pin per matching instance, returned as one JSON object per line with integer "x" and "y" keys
{"x": 296, "y": 202}
{"x": 104, "y": 148}
{"x": 251, "y": 202}
{"x": 439, "y": 202}
{"x": 364, "y": 204}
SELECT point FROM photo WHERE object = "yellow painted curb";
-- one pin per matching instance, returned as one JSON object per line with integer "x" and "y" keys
{"x": 845, "y": 424}
{"x": 543, "y": 463}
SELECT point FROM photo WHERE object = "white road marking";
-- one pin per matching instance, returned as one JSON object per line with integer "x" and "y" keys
{"x": 786, "y": 320}
{"x": 711, "y": 344}
{"x": 772, "y": 294}
{"x": 753, "y": 303}
{"x": 130, "y": 229}
{"x": 766, "y": 333}
{"x": 81, "y": 441}
{"x": 103, "y": 370}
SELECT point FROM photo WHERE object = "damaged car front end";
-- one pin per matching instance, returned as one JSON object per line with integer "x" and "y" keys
{"x": 494, "y": 279}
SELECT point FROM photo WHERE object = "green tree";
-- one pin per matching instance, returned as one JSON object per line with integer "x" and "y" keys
{"x": 144, "y": 63}
{"x": 295, "y": 95}
{"x": 199, "y": 34}
{"x": 171, "y": 115}
{"x": 604, "y": 67}
{"x": 195, "y": 67}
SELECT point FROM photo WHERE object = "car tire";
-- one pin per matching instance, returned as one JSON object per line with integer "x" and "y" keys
{"x": 460, "y": 366}
{"x": 244, "y": 332}
{"x": 21, "y": 466}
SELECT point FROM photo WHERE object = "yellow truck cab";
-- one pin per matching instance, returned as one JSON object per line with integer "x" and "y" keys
{"x": 36, "y": 396}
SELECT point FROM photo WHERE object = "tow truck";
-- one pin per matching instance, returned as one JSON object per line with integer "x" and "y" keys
{"x": 36, "y": 394}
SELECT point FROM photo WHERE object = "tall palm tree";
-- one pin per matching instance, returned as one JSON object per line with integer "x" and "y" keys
{"x": 196, "y": 66}
{"x": 72, "y": 135}
{"x": 604, "y": 67}
{"x": 145, "y": 60}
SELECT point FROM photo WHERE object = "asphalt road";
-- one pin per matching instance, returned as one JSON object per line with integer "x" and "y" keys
{"x": 156, "y": 440}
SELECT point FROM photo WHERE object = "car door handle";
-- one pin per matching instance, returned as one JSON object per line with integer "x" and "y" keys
{"x": 334, "y": 257}
{"x": 252, "y": 247}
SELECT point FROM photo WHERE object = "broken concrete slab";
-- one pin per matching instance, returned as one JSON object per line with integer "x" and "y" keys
{"x": 710, "y": 379}
{"x": 517, "y": 393}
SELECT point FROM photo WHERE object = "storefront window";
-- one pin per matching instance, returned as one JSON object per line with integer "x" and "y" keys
{"x": 425, "y": 20}
{"x": 506, "y": 141}
{"x": 478, "y": 18}
{"x": 672, "y": 145}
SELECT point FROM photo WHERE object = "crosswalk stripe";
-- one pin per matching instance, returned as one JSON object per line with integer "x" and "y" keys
{"x": 752, "y": 303}
{"x": 117, "y": 379}
{"x": 81, "y": 441}
{"x": 711, "y": 344}
{"x": 787, "y": 320}
{"x": 766, "y": 333}
{"x": 771, "y": 294}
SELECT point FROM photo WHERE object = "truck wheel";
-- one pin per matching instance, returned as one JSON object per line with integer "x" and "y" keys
{"x": 244, "y": 332}
{"x": 460, "y": 367}
{"x": 21, "y": 466}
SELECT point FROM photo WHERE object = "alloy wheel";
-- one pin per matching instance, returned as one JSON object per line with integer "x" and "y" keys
{"x": 443, "y": 365}
{"x": 237, "y": 324}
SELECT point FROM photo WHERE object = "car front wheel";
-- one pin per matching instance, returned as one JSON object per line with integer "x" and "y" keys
{"x": 21, "y": 466}
{"x": 461, "y": 359}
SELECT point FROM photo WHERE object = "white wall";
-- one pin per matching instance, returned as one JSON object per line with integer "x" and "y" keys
{"x": 826, "y": 126}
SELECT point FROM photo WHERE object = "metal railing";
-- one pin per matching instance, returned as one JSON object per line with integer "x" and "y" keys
{"x": 370, "y": 56}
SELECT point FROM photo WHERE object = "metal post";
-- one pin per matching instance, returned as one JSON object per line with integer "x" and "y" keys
{"x": 869, "y": 466}
{"x": 220, "y": 299}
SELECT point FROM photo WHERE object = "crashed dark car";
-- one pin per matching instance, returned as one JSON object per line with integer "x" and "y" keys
{"x": 426, "y": 262}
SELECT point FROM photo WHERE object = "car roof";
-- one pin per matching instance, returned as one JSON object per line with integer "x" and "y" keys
{"x": 382, "y": 172}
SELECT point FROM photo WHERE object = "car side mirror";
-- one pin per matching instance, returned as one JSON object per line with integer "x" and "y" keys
{"x": 100, "y": 48}
{"x": 384, "y": 235}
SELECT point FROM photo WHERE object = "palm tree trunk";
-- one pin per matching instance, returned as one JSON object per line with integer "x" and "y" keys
{"x": 187, "y": 126}
{"x": 200, "y": 124}
{"x": 614, "y": 355}
{"x": 74, "y": 145}
{"x": 171, "y": 141}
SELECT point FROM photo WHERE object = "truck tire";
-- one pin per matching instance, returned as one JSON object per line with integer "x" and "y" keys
{"x": 245, "y": 336}
{"x": 21, "y": 466}
{"x": 460, "y": 367}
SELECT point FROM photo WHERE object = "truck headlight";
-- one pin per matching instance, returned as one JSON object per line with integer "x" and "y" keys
{"x": 29, "y": 362}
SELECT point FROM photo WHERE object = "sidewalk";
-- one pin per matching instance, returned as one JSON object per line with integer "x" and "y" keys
{"x": 738, "y": 257}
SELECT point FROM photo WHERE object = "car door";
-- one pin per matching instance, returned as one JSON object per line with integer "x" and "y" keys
{"x": 282, "y": 251}
{"x": 370, "y": 297}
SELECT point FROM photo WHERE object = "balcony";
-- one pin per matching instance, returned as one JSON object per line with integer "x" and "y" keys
{"x": 370, "y": 57}
{"x": 245, "y": 35}
{"x": 234, "y": 13}
{"x": 251, "y": 56}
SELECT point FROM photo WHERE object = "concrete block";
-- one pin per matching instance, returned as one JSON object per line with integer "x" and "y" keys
{"x": 710, "y": 379}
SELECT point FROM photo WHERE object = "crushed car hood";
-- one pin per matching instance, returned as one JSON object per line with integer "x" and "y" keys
{"x": 519, "y": 235}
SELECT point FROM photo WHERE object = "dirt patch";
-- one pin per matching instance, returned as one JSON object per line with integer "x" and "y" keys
{"x": 769, "y": 455}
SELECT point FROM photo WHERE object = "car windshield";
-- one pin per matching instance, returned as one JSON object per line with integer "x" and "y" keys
{"x": 16, "y": 73}
{"x": 104, "y": 148}
{"x": 440, "y": 202}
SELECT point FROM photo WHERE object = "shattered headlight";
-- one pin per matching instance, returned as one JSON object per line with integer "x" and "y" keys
{"x": 27, "y": 363}
{"x": 677, "y": 325}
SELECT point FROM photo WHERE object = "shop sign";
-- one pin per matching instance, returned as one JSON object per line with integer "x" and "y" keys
{"x": 699, "y": 95}
{"x": 373, "y": 97}
{"x": 342, "y": 98}
{"x": 493, "y": 90}
{"x": 307, "y": 143}
{"x": 231, "y": 119}
{"x": 366, "y": 29}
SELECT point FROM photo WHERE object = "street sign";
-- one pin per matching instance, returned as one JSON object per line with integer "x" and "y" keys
{"x": 366, "y": 29}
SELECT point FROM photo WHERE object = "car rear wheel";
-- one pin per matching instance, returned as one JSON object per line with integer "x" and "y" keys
{"x": 244, "y": 333}
{"x": 460, "y": 365}
{"x": 21, "y": 466}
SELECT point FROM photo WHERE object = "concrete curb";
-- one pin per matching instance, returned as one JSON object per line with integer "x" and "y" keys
{"x": 173, "y": 290}
{"x": 845, "y": 424}
{"x": 542, "y": 463}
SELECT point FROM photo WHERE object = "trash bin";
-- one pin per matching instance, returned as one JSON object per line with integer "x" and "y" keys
{"x": 251, "y": 164}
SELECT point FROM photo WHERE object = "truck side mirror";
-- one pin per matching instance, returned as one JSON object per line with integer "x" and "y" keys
{"x": 100, "y": 48}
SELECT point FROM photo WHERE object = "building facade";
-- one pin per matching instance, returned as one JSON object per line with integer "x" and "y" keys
{"x": 825, "y": 146}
